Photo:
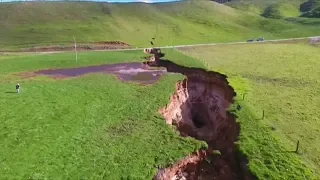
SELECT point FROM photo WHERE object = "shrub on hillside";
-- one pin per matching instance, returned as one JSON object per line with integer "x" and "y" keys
{"x": 315, "y": 13}
{"x": 272, "y": 11}
{"x": 309, "y": 5}
{"x": 222, "y": 1}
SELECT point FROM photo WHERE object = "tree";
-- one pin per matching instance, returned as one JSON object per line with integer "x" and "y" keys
{"x": 272, "y": 11}
{"x": 309, "y": 5}
{"x": 315, "y": 13}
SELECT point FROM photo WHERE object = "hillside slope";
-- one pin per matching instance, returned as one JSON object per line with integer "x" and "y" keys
{"x": 286, "y": 8}
{"x": 278, "y": 8}
{"x": 47, "y": 23}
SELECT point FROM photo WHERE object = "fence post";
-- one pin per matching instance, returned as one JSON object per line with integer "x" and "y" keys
{"x": 262, "y": 114}
{"x": 75, "y": 48}
{"x": 297, "y": 147}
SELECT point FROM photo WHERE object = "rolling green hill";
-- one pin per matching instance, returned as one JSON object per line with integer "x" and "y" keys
{"x": 279, "y": 8}
{"x": 285, "y": 8}
{"x": 52, "y": 23}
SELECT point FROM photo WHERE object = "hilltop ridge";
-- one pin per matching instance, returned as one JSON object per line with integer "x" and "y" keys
{"x": 52, "y": 23}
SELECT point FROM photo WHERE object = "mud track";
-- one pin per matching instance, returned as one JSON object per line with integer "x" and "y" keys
{"x": 198, "y": 109}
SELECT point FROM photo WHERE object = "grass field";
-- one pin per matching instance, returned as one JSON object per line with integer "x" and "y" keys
{"x": 97, "y": 127}
{"x": 283, "y": 80}
{"x": 90, "y": 127}
{"x": 53, "y": 23}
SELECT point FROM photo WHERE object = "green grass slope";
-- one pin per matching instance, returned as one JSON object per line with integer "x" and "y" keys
{"x": 285, "y": 8}
{"x": 90, "y": 127}
{"x": 52, "y": 23}
{"x": 283, "y": 80}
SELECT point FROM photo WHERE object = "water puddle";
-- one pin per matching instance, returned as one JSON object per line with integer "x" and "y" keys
{"x": 136, "y": 72}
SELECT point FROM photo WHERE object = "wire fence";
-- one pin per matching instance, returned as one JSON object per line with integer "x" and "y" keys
{"x": 45, "y": 44}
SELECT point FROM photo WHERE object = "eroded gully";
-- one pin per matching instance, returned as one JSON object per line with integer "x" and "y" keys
{"x": 198, "y": 109}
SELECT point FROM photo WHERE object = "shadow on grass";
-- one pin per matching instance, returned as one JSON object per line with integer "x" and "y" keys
{"x": 280, "y": 152}
{"x": 10, "y": 92}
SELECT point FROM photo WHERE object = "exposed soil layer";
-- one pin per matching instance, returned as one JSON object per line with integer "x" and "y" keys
{"x": 80, "y": 47}
{"x": 136, "y": 72}
{"x": 198, "y": 109}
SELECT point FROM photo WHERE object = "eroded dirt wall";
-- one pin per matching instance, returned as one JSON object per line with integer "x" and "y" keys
{"x": 198, "y": 109}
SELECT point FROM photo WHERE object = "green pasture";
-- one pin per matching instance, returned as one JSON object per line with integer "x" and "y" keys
{"x": 89, "y": 127}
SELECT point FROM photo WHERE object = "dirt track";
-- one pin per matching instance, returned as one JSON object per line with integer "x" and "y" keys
{"x": 198, "y": 109}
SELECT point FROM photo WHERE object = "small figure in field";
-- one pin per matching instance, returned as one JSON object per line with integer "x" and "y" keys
{"x": 18, "y": 88}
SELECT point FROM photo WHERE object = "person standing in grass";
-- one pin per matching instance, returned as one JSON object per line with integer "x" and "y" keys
{"x": 18, "y": 88}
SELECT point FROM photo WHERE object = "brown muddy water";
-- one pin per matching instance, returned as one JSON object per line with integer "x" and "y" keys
{"x": 136, "y": 72}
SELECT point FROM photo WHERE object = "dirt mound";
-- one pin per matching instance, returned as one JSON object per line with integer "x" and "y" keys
{"x": 111, "y": 43}
{"x": 198, "y": 109}
{"x": 80, "y": 47}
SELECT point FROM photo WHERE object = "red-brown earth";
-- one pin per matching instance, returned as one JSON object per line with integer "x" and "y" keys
{"x": 104, "y": 45}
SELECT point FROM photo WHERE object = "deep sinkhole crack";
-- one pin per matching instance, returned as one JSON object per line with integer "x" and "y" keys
{"x": 198, "y": 109}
